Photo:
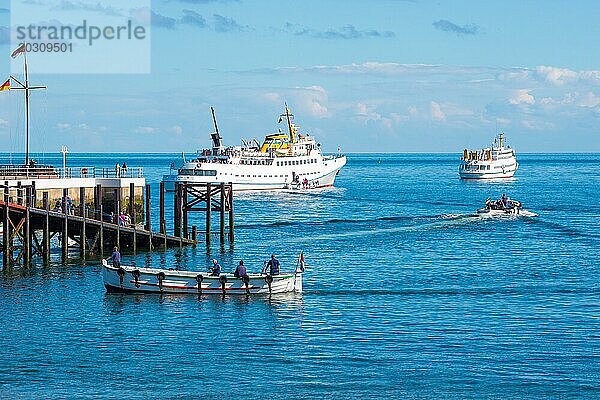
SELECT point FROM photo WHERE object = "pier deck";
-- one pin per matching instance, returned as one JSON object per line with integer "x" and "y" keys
{"x": 27, "y": 231}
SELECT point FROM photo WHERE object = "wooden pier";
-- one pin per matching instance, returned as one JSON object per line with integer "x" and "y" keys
{"x": 203, "y": 197}
{"x": 93, "y": 227}
{"x": 29, "y": 225}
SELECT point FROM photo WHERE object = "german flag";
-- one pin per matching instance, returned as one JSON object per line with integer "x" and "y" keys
{"x": 5, "y": 86}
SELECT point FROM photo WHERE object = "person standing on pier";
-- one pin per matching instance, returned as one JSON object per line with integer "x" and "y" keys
{"x": 115, "y": 257}
{"x": 117, "y": 170}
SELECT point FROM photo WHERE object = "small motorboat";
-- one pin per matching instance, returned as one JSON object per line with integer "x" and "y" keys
{"x": 130, "y": 279}
{"x": 504, "y": 206}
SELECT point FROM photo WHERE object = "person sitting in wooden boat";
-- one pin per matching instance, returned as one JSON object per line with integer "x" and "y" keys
{"x": 215, "y": 269}
{"x": 240, "y": 270}
{"x": 115, "y": 257}
{"x": 273, "y": 265}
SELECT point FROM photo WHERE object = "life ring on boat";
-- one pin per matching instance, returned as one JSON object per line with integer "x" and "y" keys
{"x": 160, "y": 276}
{"x": 136, "y": 276}
{"x": 121, "y": 273}
{"x": 84, "y": 171}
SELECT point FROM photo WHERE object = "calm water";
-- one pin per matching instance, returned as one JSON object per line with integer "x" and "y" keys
{"x": 407, "y": 294}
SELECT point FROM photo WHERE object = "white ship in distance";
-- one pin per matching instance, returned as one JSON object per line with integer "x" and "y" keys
{"x": 493, "y": 162}
{"x": 284, "y": 161}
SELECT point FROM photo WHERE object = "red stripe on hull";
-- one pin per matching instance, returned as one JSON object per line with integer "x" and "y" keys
{"x": 191, "y": 287}
{"x": 487, "y": 177}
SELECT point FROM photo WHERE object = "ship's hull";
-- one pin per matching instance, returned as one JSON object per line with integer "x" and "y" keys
{"x": 129, "y": 279}
{"x": 244, "y": 178}
{"x": 495, "y": 172}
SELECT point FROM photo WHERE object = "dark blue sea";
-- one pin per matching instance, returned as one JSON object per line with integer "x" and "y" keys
{"x": 407, "y": 294}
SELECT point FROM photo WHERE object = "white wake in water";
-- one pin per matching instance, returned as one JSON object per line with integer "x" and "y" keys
{"x": 443, "y": 221}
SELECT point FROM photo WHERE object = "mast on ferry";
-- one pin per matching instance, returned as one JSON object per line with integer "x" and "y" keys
{"x": 216, "y": 138}
{"x": 26, "y": 87}
{"x": 289, "y": 117}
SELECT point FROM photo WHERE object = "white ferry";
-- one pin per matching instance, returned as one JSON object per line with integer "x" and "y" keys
{"x": 492, "y": 162}
{"x": 284, "y": 161}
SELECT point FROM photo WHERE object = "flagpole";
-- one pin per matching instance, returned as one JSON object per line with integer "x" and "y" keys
{"x": 26, "y": 87}
{"x": 26, "y": 109}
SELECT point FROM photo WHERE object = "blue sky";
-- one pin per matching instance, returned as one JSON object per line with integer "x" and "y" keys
{"x": 380, "y": 75}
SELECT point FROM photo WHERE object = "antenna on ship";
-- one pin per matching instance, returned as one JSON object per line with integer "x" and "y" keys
{"x": 289, "y": 117}
{"x": 23, "y": 49}
{"x": 216, "y": 138}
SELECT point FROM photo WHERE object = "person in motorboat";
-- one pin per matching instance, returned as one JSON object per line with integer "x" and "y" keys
{"x": 273, "y": 266}
{"x": 215, "y": 270}
{"x": 240, "y": 270}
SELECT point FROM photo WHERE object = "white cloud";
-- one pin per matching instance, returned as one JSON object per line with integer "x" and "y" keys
{"x": 176, "y": 129}
{"x": 3, "y": 123}
{"x": 366, "y": 113}
{"x": 516, "y": 74}
{"x": 146, "y": 130}
{"x": 436, "y": 112}
{"x": 398, "y": 118}
{"x": 272, "y": 97}
{"x": 556, "y": 76}
{"x": 590, "y": 100}
{"x": 568, "y": 98}
{"x": 538, "y": 125}
{"x": 63, "y": 126}
{"x": 313, "y": 100}
{"x": 522, "y": 96}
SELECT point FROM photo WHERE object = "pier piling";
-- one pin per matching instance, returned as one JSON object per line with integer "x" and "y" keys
{"x": 82, "y": 236}
{"x": 65, "y": 229}
{"x": 208, "y": 210}
{"x": 26, "y": 238}
{"x": 46, "y": 227}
